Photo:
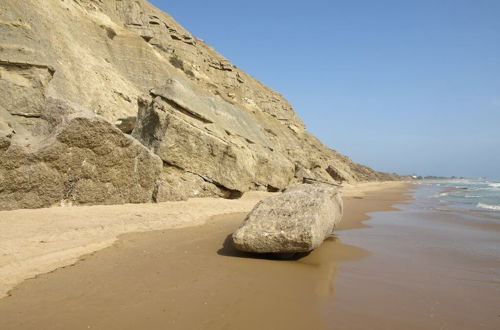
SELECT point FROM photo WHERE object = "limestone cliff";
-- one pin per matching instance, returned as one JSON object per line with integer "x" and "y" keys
{"x": 192, "y": 123}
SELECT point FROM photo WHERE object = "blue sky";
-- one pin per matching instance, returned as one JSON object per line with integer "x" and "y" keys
{"x": 401, "y": 86}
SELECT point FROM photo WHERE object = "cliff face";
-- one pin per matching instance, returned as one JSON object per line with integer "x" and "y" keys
{"x": 192, "y": 124}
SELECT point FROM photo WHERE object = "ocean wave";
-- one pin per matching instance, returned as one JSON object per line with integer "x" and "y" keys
{"x": 489, "y": 207}
{"x": 494, "y": 185}
{"x": 437, "y": 195}
{"x": 472, "y": 196}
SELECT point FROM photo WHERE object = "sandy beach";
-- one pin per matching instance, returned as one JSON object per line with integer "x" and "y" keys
{"x": 411, "y": 267}
{"x": 189, "y": 277}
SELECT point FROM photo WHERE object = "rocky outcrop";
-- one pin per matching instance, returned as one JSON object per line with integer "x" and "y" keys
{"x": 298, "y": 220}
{"x": 211, "y": 139}
{"x": 76, "y": 157}
{"x": 217, "y": 130}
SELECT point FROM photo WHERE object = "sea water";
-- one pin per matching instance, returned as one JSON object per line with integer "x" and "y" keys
{"x": 480, "y": 197}
{"x": 433, "y": 264}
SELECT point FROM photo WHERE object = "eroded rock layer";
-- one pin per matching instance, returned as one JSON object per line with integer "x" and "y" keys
{"x": 200, "y": 125}
{"x": 73, "y": 157}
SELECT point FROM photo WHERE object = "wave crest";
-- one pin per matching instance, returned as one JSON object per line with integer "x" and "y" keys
{"x": 489, "y": 207}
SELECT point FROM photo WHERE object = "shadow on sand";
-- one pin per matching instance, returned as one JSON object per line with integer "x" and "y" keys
{"x": 229, "y": 251}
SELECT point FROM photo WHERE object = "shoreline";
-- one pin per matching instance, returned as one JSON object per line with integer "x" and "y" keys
{"x": 428, "y": 269}
{"x": 297, "y": 290}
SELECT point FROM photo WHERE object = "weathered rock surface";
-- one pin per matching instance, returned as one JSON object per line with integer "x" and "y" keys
{"x": 297, "y": 220}
{"x": 217, "y": 130}
{"x": 76, "y": 157}
{"x": 212, "y": 139}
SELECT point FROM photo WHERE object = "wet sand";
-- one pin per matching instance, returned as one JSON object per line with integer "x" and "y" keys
{"x": 192, "y": 278}
{"x": 427, "y": 269}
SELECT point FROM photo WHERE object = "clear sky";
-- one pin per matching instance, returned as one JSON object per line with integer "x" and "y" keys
{"x": 401, "y": 86}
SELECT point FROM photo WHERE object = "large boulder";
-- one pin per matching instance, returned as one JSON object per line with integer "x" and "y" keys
{"x": 297, "y": 220}
{"x": 76, "y": 157}
{"x": 212, "y": 143}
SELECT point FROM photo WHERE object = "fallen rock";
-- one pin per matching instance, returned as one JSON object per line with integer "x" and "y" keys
{"x": 298, "y": 220}
{"x": 83, "y": 159}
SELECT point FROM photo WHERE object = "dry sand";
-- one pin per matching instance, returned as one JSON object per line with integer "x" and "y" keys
{"x": 187, "y": 278}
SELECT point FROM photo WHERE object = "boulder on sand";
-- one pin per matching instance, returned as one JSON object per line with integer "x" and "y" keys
{"x": 298, "y": 220}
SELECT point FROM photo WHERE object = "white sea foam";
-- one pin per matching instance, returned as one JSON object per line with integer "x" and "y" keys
{"x": 472, "y": 196}
{"x": 439, "y": 195}
{"x": 494, "y": 185}
{"x": 489, "y": 207}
